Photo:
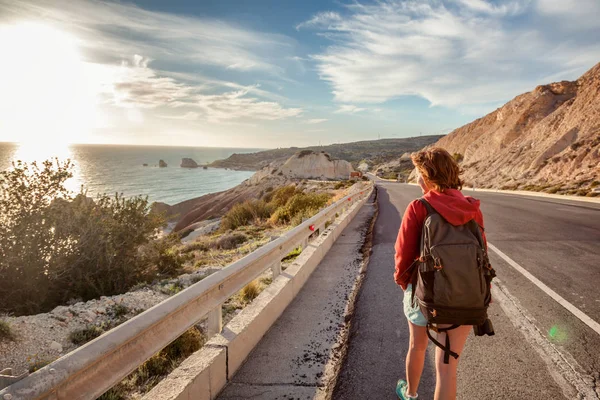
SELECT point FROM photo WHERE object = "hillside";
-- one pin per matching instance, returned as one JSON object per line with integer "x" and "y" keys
{"x": 296, "y": 170}
{"x": 376, "y": 151}
{"x": 547, "y": 139}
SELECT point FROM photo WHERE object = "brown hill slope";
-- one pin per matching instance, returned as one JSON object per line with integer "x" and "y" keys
{"x": 547, "y": 139}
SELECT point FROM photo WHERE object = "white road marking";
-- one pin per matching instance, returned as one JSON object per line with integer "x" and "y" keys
{"x": 559, "y": 299}
{"x": 562, "y": 366}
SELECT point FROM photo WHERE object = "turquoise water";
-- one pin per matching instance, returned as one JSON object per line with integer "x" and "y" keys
{"x": 112, "y": 168}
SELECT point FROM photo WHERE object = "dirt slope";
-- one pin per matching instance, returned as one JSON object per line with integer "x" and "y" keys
{"x": 547, "y": 139}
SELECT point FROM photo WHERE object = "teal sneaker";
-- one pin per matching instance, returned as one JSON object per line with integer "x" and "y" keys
{"x": 401, "y": 389}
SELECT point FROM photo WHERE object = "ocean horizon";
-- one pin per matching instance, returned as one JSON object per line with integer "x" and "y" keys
{"x": 106, "y": 168}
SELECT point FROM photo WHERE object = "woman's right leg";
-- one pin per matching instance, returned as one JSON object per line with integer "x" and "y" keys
{"x": 445, "y": 387}
{"x": 415, "y": 358}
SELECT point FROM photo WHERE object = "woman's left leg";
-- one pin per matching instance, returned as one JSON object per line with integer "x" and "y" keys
{"x": 415, "y": 358}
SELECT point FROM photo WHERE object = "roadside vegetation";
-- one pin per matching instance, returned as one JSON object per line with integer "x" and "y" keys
{"x": 56, "y": 246}
{"x": 6, "y": 332}
{"x": 150, "y": 373}
{"x": 59, "y": 247}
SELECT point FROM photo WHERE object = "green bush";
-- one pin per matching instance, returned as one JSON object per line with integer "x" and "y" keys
{"x": 55, "y": 246}
{"x": 245, "y": 213}
{"x": 165, "y": 255}
{"x": 292, "y": 255}
{"x": 5, "y": 331}
{"x": 281, "y": 196}
{"x": 118, "y": 311}
{"x": 299, "y": 206}
{"x": 84, "y": 335}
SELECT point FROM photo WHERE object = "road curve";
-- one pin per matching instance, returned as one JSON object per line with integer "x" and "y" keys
{"x": 540, "y": 351}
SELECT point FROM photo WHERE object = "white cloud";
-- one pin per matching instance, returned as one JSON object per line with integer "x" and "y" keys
{"x": 571, "y": 14}
{"x": 483, "y": 6}
{"x": 111, "y": 30}
{"x": 236, "y": 105}
{"x": 319, "y": 19}
{"x": 123, "y": 43}
{"x": 349, "y": 109}
{"x": 455, "y": 53}
{"x": 189, "y": 116}
{"x": 316, "y": 120}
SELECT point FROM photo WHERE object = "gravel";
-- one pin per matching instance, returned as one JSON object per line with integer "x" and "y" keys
{"x": 44, "y": 337}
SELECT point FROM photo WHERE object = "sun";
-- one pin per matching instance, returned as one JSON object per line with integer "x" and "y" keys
{"x": 46, "y": 91}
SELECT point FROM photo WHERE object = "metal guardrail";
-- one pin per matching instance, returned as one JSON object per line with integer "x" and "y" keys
{"x": 92, "y": 369}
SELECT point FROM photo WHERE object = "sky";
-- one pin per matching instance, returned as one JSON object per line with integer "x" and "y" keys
{"x": 271, "y": 73}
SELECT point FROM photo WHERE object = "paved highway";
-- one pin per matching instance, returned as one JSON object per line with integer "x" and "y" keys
{"x": 541, "y": 350}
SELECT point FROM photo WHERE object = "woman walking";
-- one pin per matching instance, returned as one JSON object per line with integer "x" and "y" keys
{"x": 440, "y": 182}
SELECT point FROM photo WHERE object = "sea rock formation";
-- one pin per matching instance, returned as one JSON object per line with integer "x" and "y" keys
{"x": 188, "y": 163}
{"x": 162, "y": 164}
{"x": 548, "y": 138}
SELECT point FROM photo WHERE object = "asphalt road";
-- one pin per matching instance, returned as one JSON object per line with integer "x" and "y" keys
{"x": 540, "y": 351}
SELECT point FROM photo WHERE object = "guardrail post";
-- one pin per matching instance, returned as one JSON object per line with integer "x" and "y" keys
{"x": 215, "y": 321}
{"x": 276, "y": 268}
{"x": 305, "y": 243}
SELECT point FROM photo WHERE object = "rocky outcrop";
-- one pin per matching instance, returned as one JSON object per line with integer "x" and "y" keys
{"x": 308, "y": 164}
{"x": 547, "y": 138}
{"x": 162, "y": 164}
{"x": 188, "y": 163}
{"x": 374, "y": 151}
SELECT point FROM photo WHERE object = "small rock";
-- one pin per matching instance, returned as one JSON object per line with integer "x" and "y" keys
{"x": 56, "y": 347}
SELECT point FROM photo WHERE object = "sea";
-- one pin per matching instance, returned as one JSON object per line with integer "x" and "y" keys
{"x": 120, "y": 169}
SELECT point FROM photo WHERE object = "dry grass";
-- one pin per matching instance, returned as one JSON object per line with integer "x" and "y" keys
{"x": 157, "y": 367}
{"x": 6, "y": 332}
{"x": 84, "y": 335}
{"x": 250, "y": 292}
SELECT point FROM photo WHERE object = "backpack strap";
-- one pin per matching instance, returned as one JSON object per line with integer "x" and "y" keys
{"x": 446, "y": 348}
{"x": 430, "y": 209}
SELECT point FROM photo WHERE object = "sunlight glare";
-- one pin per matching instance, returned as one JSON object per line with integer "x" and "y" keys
{"x": 47, "y": 94}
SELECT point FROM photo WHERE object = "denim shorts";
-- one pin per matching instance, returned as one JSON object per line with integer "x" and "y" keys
{"x": 413, "y": 314}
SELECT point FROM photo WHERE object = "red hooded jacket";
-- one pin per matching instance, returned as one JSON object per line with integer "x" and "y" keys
{"x": 451, "y": 204}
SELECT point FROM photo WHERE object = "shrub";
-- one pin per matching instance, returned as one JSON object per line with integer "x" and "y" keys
{"x": 82, "y": 336}
{"x": 195, "y": 246}
{"x": 244, "y": 213}
{"x": 39, "y": 364}
{"x": 553, "y": 189}
{"x": 230, "y": 241}
{"x": 118, "y": 311}
{"x": 292, "y": 255}
{"x": 282, "y": 195}
{"x": 143, "y": 379}
{"x": 5, "y": 331}
{"x": 304, "y": 153}
{"x": 301, "y": 205}
{"x": 55, "y": 247}
{"x": 165, "y": 255}
{"x": 171, "y": 288}
{"x": 250, "y": 292}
